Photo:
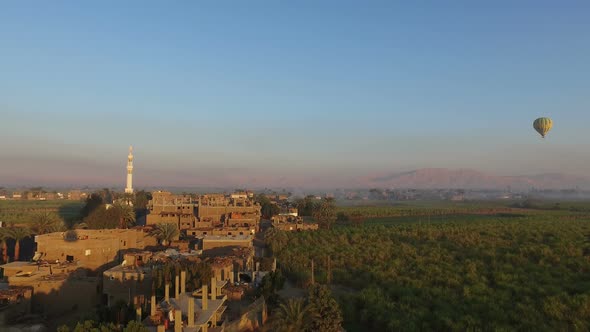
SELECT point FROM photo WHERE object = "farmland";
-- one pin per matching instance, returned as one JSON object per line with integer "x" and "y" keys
{"x": 21, "y": 212}
{"x": 426, "y": 208}
{"x": 454, "y": 268}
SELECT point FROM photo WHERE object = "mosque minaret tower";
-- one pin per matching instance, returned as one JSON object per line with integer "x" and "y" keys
{"x": 129, "y": 188}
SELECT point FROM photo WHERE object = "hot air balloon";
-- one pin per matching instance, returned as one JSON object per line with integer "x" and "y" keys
{"x": 542, "y": 126}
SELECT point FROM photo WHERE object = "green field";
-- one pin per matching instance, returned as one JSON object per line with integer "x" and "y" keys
{"x": 439, "y": 208}
{"x": 524, "y": 270}
{"x": 21, "y": 212}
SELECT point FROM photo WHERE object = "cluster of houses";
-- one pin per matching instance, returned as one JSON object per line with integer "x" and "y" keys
{"x": 41, "y": 195}
{"x": 77, "y": 270}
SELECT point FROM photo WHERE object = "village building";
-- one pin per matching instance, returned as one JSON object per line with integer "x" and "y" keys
{"x": 77, "y": 195}
{"x": 130, "y": 281}
{"x": 221, "y": 231}
{"x": 240, "y": 258}
{"x": 216, "y": 241}
{"x": 57, "y": 288}
{"x": 65, "y": 276}
{"x": 128, "y": 284}
{"x": 206, "y": 212}
{"x": 15, "y": 302}
{"x": 291, "y": 211}
{"x": 91, "y": 248}
{"x": 223, "y": 269}
{"x": 288, "y": 222}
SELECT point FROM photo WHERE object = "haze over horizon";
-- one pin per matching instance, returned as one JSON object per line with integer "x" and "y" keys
{"x": 306, "y": 93}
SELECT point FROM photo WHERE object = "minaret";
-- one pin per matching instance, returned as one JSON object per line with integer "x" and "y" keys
{"x": 129, "y": 188}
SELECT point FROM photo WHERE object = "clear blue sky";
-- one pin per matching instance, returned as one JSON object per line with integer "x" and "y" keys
{"x": 278, "y": 92}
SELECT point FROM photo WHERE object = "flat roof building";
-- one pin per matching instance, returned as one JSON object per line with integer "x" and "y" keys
{"x": 204, "y": 211}
{"x": 92, "y": 249}
{"x": 58, "y": 288}
{"x": 216, "y": 241}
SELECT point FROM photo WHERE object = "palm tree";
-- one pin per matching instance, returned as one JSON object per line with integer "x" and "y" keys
{"x": 126, "y": 214}
{"x": 128, "y": 199}
{"x": 4, "y": 238}
{"x": 275, "y": 239}
{"x": 292, "y": 316}
{"x": 165, "y": 233}
{"x": 46, "y": 222}
{"x": 18, "y": 234}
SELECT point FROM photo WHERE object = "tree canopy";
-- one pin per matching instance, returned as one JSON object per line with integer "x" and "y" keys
{"x": 165, "y": 233}
{"x": 324, "y": 213}
{"x": 305, "y": 205}
{"x": 509, "y": 272}
{"x": 325, "y": 311}
{"x": 267, "y": 208}
{"x": 46, "y": 222}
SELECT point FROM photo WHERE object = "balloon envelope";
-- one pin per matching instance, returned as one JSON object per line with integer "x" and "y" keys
{"x": 543, "y": 125}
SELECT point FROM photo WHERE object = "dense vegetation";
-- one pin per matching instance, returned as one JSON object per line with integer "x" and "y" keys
{"x": 105, "y": 209}
{"x": 318, "y": 311}
{"x": 505, "y": 272}
{"x": 93, "y": 326}
{"x": 407, "y": 210}
{"x": 267, "y": 207}
{"x": 439, "y": 208}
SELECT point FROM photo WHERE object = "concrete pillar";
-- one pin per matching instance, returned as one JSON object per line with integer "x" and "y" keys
{"x": 167, "y": 292}
{"x": 183, "y": 282}
{"x": 153, "y": 306}
{"x": 138, "y": 314}
{"x": 231, "y": 277}
{"x": 178, "y": 321}
{"x": 204, "y": 292}
{"x": 161, "y": 328}
{"x": 191, "y": 312}
{"x": 213, "y": 288}
{"x": 176, "y": 287}
{"x": 257, "y": 266}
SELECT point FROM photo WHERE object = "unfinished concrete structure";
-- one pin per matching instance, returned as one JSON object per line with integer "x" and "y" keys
{"x": 202, "y": 310}
{"x": 223, "y": 269}
{"x": 130, "y": 282}
{"x": 241, "y": 259}
{"x": 127, "y": 284}
{"x": 206, "y": 212}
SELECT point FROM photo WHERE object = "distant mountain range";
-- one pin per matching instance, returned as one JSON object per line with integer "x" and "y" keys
{"x": 430, "y": 178}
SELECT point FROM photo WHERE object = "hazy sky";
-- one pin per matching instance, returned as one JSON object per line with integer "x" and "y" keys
{"x": 289, "y": 92}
